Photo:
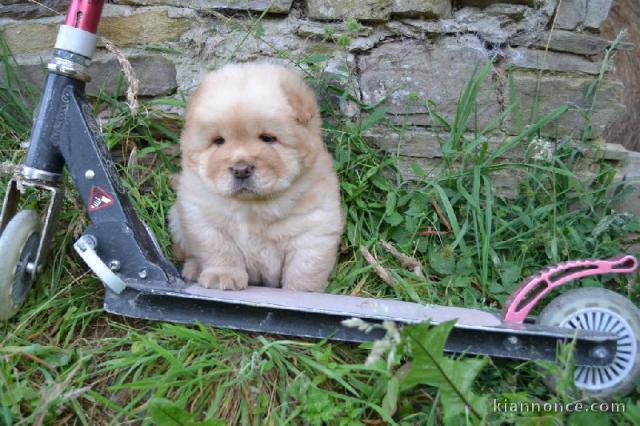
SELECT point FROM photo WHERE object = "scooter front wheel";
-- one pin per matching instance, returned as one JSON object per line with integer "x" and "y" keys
{"x": 598, "y": 309}
{"x": 18, "y": 249}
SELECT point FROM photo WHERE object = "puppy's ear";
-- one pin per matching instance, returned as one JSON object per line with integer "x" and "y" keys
{"x": 174, "y": 181}
{"x": 189, "y": 136}
{"x": 189, "y": 155}
{"x": 189, "y": 160}
{"x": 301, "y": 99}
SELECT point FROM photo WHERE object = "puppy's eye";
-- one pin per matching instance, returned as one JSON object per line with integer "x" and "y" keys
{"x": 217, "y": 141}
{"x": 268, "y": 138}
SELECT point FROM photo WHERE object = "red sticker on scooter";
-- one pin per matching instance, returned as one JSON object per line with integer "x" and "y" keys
{"x": 99, "y": 199}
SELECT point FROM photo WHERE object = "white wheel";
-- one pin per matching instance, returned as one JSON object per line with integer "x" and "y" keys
{"x": 18, "y": 246}
{"x": 599, "y": 309}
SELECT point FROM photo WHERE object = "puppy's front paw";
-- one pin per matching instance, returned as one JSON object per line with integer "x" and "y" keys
{"x": 191, "y": 270}
{"x": 224, "y": 278}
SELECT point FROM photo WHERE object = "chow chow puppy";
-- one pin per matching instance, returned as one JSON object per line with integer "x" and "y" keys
{"x": 258, "y": 199}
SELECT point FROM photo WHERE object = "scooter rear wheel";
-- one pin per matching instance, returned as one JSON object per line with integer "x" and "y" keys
{"x": 598, "y": 309}
{"x": 18, "y": 248}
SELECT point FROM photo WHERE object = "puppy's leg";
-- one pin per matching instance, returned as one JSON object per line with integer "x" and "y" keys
{"x": 222, "y": 263}
{"x": 309, "y": 261}
{"x": 211, "y": 257}
{"x": 191, "y": 269}
{"x": 177, "y": 237}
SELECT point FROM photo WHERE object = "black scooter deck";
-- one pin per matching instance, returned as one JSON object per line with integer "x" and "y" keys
{"x": 314, "y": 315}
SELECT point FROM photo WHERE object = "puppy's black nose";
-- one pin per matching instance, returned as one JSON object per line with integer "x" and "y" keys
{"x": 242, "y": 170}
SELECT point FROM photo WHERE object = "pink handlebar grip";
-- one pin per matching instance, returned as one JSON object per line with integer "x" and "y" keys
{"x": 534, "y": 288}
{"x": 84, "y": 14}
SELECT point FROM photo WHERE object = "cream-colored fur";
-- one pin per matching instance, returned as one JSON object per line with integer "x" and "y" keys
{"x": 280, "y": 227}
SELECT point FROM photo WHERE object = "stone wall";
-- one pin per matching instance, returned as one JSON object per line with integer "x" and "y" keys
{"x": 396, "y": 53}
{"x": 625, "y": 130}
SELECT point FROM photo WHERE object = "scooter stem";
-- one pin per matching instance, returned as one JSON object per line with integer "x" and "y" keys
{"x": 65, "y": 133}
{"x": 84, "y": 14}
{"x": 78, "y": 35}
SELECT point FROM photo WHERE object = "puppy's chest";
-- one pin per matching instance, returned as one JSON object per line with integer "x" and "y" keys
{"x": 252, "y": 237}
{"x": 264, "y": 251}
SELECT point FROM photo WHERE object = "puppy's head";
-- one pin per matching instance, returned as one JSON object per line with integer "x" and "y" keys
{"x": 251, "y": 130}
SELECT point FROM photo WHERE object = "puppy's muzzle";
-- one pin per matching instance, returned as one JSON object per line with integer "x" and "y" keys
{"x": 242, "y": 170}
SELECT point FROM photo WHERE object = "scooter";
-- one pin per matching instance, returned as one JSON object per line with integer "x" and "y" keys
{"x": 123, "y": 253}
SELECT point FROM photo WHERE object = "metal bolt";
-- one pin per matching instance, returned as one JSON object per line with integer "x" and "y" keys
{"x": 114, "y": 265}
{"x": 143, "y": 273}
{"x": 89, "y": 174}
{"x": 512, "y": 342}
{"x": 599, "y": 352}
{"x": 89, "y": 241}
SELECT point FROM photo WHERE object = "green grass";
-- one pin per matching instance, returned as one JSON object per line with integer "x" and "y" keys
{"x": 65, "y": 361}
